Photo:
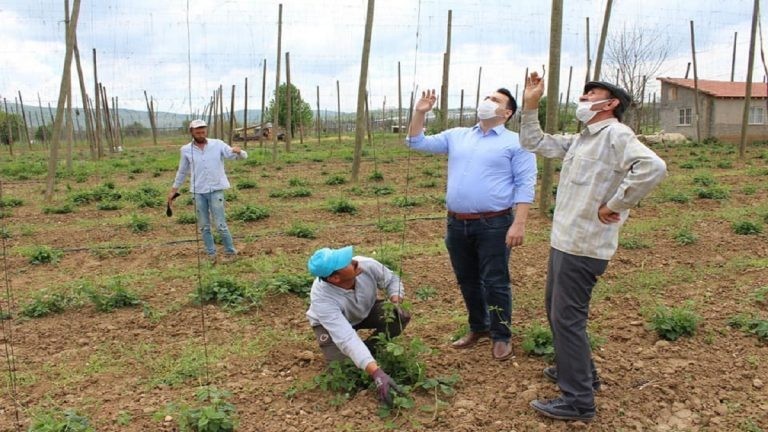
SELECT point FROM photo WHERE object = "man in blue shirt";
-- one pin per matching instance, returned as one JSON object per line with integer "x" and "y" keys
{"x": 204, "y": 158}
{"x": 489, "y": 175}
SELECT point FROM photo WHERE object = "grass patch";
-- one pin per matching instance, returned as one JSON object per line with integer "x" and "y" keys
{"x": 43, "y": 255}
{"x": 112, "y": 295}
{"x": 301, "y": 230}
{"x": 747, "y": 228}
{"x": 139, "y": 224}
{"x": 57, "y": 420}
{"x": 685, "y": 237}
{"x": 341, "y": 205}
{"x": 751, "y": 325}
{"x": 671, "y": 323}
{"x": 61, "y": 209}
{"x": 250, "y": 213}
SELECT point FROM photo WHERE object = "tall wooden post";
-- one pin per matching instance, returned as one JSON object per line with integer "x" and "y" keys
{"x": 567, "y": 100}
{"x": 151, "y": 115}
{"x": 477, "y": 95}
{"x": 748, "y": 93}
{"x": 245, "y": 116}
{"x": 555, "y": 41}
{"x": 97, "y": 109}
{"x": 65, "y": 78}
{"x": 318, "y": 115}
{"x": 232, "y": 115}
{"x": 733, "y": 57}
{"x": 446, "y": 72}
{"x": 70, "y": 127}
{"x": 276, "y": 107}
{"x": 603, "y": 37}
{"x": 89, "y": 132}
{"x": 222, "y": 132}
{"x": 399, "y": 104}
{"x": 263, "y": 106}
{"x": 41, "y": 121}
{"x": 8, "y": 126}
{"x": 589, "y": 56}
{"x": 338, "y": 110}
{"x": 695, "y": 85}
{"x": 461, "y": 109}
{"x": 288, "y": 103}
{"x": 24, "y": 120}
{"x": 361, "y": 93}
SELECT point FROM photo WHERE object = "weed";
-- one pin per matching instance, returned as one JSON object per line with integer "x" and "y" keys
{"x": 425, "y": 293}
{"x": 228, "y": 292}
{"x": 250, "y": 213}
{"x": 211, "y": 413}
{"x": 749, "y": 425}
{"x": 403, "y": 201}
{"x": 45, "y": 303}
{"x": 43, "y": 255}
{"x": 110, "y": 251}
{"x": 108, "y": 205}
{"x": 537, "y": 341}
{"x": 301, "y": 230}
{"x": 747, "y": 228}
{"x": 146, "y": 196}
{"x": 390, "y": 225}
{"x": 113, "y": 295}
{"x": 685, "y": 237}
{"x": 376, "y": 176}
{"x": 284, "y": 284}
{"x": 672, "y": 322}
{"x": 62, "y": 209}
{"x": 427, "y": 183}
{"x": 186, "y": 219}
{"x": 124, "y": 418}
{"x": 761, "y": 295}
{"x": 139, "y": 224}
{"x": 297, "y": 192}
{"x": 713, "y": 192}
{"x": 752, "y": 325}
{"x": 704, "y": 180}
{"x": 382, "y": 190}
{"x": 295, "y": 182}
{"x": 246, "y": 184}
{"x": 5, "y": 233}
{"x": 336, "y": 179}
{"x": 57, "y": 420}
{"x": 633, "y": 243}
{"x": 749, "y": 190}
{"x": 10, "y": 202}
{"x": 341, "y": 205}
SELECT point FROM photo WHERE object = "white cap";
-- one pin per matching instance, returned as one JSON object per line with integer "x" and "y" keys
{"x": 269, "y": 125}
{"x": 194, "y": 124}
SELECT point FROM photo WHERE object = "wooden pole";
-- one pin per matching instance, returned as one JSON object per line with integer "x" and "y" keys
{"x": 687, "y": 70}
{"x": 8, "y": 126}
{"x": 276, "y": 107}
{"x": 446, "y": 72}
{"x": 232, "y": 115}
{"x": 288, "y": 103}
{"x": 695, "y": 85}
{"x": 589, "y": 56}
{"x": 65, "y": 78}
{"x": 222, "y": 132}
{"x": 263, "y": 101}
{"x": 118, "y": 126}
{"x": 245, "y": 116}
{"x": 107, "y": 118}
{"x": 301, "y": 123}
{"x": 338, "y": 110}
{"x": 461, "y": 109}
{"x": 318, "y": 115}
{"x": 152, "y": 124}
{"x": 399, "y": 104}
{"x": 361, "y": 93}
{"x": 42, "y": 119}
{"x": 69, "y": 127}
{"x": 555, "y": 41}
{"x": 97, "y": 109}
{"x": 748, "y": 93}
{"x": 733, "y": 57}
{"x": 567, "y": 99}
{"x": 477, "y": 95}
{"x": 603, "y": 37}
{"x": 24, "y": 120}
{"x": 84, "y": 97}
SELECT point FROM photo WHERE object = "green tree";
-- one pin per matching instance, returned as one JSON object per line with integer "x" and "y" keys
{"x": 16, "y": 127}
{"x": 135, "y": 129}
{"x": 44, "y": 132}
{"x": 301, "y": 110}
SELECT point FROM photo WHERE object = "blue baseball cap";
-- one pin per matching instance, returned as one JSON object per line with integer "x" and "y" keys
{"x": 325, "y": 261}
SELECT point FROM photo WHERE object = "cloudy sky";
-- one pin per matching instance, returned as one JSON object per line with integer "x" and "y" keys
{"x": 143, "y": 45}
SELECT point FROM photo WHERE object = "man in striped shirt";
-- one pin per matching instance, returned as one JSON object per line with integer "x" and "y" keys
{"x": 605, "y": 172}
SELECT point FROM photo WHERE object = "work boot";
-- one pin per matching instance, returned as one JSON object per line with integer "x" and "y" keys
{"x": 470, "y": 339}
{"x": 562, "y": 410}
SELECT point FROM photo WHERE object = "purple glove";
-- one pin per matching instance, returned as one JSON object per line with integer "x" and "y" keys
{"x": 385, "y": 386}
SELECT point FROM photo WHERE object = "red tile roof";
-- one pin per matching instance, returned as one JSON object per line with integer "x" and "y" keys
{"x": 721, "y": 89}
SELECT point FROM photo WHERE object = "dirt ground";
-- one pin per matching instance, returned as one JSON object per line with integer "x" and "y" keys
{"x": 106, "y": 365}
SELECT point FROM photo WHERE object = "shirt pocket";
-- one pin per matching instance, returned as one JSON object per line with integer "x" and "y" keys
{"x": 582, "y": 170}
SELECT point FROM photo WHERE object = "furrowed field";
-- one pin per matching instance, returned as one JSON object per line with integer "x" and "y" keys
{"x": 105, "y": 319}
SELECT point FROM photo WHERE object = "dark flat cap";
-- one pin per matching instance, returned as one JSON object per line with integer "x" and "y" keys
{"x": 619, "y": 93}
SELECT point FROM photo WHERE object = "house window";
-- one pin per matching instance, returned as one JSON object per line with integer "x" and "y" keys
{"x": 756, "y": 115}
{"x": 685, "y": 117}
{"x": 672, "y": 94}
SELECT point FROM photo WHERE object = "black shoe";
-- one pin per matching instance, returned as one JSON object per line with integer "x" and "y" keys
{"x": 551, "y": 374}
{"x": 561, "y": 410}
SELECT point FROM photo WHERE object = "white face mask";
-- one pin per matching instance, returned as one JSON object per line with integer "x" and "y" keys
{"x": 584, "y": 110}
{"x": 487, "y": 109}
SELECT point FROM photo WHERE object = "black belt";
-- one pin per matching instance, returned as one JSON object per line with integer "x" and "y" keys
{"x": 475, "y": 216}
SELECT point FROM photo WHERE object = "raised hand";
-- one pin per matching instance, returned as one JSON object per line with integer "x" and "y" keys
{"x": 427, "y": 101}
{"x": 534, "y": 89}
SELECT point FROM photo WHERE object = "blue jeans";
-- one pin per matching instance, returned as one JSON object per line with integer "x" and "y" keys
{"x": 480, "y": 260}
{"x": 212, "y": 204}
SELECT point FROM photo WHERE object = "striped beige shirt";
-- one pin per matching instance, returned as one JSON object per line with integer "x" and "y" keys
{"x": 604, "y": 164}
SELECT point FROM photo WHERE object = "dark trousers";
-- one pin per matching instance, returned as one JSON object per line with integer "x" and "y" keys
{"x": 375, "y": 320}
{"x": 570, "y": 280}
{"x": 480, "y": 260}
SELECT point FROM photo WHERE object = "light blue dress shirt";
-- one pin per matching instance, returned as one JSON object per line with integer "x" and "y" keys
{"x": 486, "y": 172}
{"x": 206, "y": 166}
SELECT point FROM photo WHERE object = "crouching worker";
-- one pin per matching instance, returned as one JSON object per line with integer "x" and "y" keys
{"x": 343, "y": 300}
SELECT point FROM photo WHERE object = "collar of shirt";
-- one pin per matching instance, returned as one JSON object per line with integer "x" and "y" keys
{"x": 597, "y": 127}
{"x": 499, "y": 129}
